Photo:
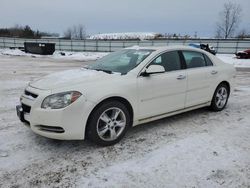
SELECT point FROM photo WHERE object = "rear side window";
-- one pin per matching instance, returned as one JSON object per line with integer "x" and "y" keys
{"x": 169, "y": 60}
{"x": 194, "y": 59}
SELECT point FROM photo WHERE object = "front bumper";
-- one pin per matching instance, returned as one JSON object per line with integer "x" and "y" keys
{"x": 64, "y": 124}
{"x": 20, "y": 113}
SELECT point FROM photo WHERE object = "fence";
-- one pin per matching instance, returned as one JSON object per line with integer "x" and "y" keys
{"x": 220, "y": 45}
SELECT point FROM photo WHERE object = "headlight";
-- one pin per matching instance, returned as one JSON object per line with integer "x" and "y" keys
{"x": 60, "y": 100}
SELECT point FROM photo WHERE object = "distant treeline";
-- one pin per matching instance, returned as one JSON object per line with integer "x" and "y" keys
{"x": 78, "y": 32}
{"x": 24, "y": 32}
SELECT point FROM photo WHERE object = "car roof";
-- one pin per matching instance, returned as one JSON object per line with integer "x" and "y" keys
{"x": 166, "y": 48}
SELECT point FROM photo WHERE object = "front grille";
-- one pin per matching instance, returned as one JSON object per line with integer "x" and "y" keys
{"x": 26, "y": 108}
{"x": 50, "y": 129}
{"x": 28, "y": 93}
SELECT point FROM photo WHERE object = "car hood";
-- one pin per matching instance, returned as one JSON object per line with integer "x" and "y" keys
{"x": 69, "y": 78}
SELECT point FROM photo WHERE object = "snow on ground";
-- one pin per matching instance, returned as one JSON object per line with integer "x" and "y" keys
{"x": 230, "y": 58}
{"x": 79, "y": 56}
{"x": 123, "y": 36}
{"x": 194, "y": 149}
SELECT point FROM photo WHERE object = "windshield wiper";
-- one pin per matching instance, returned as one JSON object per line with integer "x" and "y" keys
{"x": 103, "y": 70}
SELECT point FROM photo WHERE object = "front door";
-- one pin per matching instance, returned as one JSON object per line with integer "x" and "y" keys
{"x": 161, "y": 93}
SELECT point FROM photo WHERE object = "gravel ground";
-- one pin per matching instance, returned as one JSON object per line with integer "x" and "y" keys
{"x": 193, "y": 149}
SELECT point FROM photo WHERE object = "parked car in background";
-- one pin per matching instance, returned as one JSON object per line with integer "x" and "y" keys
{"x": 243, "y": 54}
{"x": 205, "y": 47}
{"x": 123, "y": 89}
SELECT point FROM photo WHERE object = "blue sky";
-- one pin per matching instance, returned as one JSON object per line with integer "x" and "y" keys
{"x": 102, "y": 16}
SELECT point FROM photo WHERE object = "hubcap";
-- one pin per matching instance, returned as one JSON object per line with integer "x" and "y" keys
{"x": 221, "y": 97}
{"x": 111, "y": 124}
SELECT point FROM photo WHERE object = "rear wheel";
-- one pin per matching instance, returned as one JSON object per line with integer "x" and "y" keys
{"x": 220, "y": 98}
{"x": 108, "y": 123}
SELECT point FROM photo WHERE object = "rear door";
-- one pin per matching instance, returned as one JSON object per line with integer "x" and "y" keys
{"x": 199, "y": 78}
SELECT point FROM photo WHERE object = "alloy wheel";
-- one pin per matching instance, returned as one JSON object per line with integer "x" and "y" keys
{"x": 221, "y": 97}
{"x": 111, "y": 124}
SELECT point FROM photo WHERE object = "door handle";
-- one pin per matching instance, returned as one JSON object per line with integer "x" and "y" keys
{"x": 181, "y": 77}
{"x": 214, "y": 72}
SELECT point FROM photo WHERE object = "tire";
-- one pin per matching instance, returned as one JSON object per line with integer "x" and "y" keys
{"x": 220, "y": 98}
{"x": 108, "y": 123}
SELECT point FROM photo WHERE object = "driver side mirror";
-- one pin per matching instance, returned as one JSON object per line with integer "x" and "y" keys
{"x": 153, "y": 69}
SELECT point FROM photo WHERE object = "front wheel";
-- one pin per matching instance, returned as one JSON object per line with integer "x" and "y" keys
{"x": 108, "y": 123}
{"x": 220, "y": 98}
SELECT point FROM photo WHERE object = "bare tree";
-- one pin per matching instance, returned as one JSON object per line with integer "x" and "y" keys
{"x": 76, "y": 32}
{"x": 82, "y": 31}
{"x": 229, "y": 20}
{"x": 68, "y": 33}
{"x": 243, "y": 34}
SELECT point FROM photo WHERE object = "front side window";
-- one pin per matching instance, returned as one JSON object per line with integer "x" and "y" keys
{"x": 194, "y": 59}
{"x": 169, "y": 60}
{"x": 121, "y": 61}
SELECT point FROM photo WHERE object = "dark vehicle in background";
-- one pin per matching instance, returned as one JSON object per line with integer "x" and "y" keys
{"x": 205, "y": 47}
{"x": 243, "y": 54}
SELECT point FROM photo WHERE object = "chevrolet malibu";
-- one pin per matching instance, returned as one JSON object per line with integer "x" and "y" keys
{"x": 123, "y": 89}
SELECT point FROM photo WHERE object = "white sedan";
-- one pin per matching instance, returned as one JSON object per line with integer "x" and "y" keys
{"x": 125, "y": 88}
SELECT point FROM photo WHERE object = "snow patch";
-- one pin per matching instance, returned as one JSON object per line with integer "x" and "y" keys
{"x": 79, "y": 56}
{"x": 231, "y": 59}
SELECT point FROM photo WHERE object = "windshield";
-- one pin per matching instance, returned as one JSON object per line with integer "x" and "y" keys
{"x": 121, "y": 61}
